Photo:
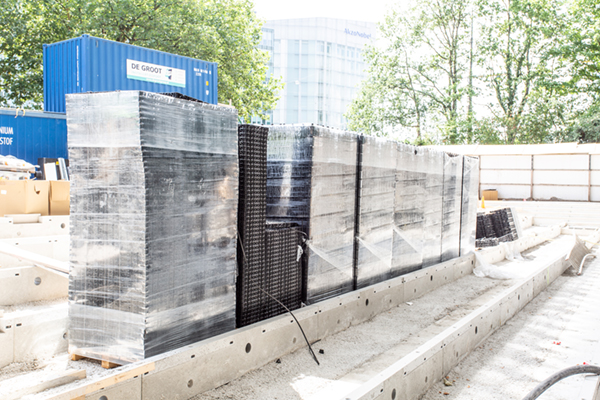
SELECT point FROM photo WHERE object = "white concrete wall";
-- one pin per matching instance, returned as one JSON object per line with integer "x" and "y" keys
{"x": 574, "y": 177}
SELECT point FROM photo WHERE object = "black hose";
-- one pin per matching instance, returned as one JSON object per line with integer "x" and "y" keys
{"x": 565, "y": 373}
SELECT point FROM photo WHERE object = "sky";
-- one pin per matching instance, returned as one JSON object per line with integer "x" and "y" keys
{"x": 366, "y": 10}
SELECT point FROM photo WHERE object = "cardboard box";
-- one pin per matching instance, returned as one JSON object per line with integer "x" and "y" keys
{"x": 24, "y": 197}
{"x": 490, "y": 194}
{"x": 58, "y": 201}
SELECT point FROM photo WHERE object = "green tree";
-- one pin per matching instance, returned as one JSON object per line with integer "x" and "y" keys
{"x": 416, "y": 79}
{"x": 222, "y": 31}
{"x": 519, "y": 67}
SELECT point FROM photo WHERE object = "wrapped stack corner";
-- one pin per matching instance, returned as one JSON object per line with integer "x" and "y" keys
{"x": 470, "y": 197}
{"x": 375, "y": 210}
{"x": 452, "y": 197}
{"x": 153, "y": 223}
{"x": 434, "y": 197}
{"x": 409, "y": 216}
{"x": 311, "y": 181}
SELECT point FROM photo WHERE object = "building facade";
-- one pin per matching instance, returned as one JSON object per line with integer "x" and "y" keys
{"x": 320, "y": 62}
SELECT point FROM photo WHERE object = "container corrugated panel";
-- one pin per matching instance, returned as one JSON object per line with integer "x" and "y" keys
{"x": 90, "y": 64}
{"x": 30, "y": 135}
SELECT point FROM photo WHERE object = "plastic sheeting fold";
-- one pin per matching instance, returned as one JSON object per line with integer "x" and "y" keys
{"x": 452, "y": 198}
{"x": 470, "y": 196}
{"x": 154, "y": 184}
{"x": 434, "y": 187}
{"x": 409, "y": 212}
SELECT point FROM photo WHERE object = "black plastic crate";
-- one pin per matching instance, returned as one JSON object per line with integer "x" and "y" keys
{"x": 252, "y": 150}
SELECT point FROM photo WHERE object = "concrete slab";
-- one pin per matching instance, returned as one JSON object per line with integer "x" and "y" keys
{"x": 50, "y": 225}
{"x": 28, "y": 284}
{"x": 55, "y": 247}
{"x": 33, "y": 334}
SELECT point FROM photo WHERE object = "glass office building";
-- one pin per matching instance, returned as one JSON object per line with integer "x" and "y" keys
{"x": 320, "y": 61}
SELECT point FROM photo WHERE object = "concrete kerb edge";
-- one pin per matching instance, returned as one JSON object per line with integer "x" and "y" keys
{"x": 400, "y": 381}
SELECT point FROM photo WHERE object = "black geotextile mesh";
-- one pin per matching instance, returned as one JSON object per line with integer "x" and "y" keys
{"x": 283, "y": 279}
{"x": 252, "y": 150}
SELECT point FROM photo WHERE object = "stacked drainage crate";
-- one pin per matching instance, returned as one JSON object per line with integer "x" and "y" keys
{"x": 452, "y": 196}
{"x": 284, "y": 278}
{"x": 434, "y": 187}
{"x": 409, "y": 216}
{"x": 470, "y": 195}
{"x": 252, "y": 148}
{"x": 153, "y": 223}
{"x": 496, "y": 227}
{"x": 311, "y": 180}
{"x": 375, "y": 210}
{"x": 268, "y": 267}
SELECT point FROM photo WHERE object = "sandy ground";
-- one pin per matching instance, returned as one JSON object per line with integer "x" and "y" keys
{"x": 525, "y": 351}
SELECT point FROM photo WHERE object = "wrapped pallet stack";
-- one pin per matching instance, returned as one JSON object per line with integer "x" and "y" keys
{"x": 311, "y": 181}
{"x": 409, "y": 216}
{"x": 375, "y": 209}
{"x": 153, "y": 223}
{"x": 452, "y": 197}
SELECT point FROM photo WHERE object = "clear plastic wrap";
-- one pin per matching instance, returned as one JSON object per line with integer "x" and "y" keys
{"x": 409, "y": 216}
{"x": 375, "y": 209}
{"x": 12, "y": 168}
{"x": 311, "y": 180}
{"x": 453, "y": 166}
{"x": 154, "y": 183}
{"x": 470, "y": 197}
{"x": 434, "y": 186}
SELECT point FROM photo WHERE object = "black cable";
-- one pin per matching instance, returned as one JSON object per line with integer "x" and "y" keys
{"x": 565, "y": 373}
{"x": 310, "y": 349}
{"x": 299, "y": 326}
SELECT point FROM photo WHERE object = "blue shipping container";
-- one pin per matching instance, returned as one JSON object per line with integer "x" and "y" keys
{"x": 30, "y": 135}
{"x": 90, "y": 64}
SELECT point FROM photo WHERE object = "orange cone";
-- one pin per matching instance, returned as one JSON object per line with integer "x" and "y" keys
{"x": 482, "y": 201}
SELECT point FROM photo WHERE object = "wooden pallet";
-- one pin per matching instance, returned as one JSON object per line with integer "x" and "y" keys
{"x": 105, "y": 364}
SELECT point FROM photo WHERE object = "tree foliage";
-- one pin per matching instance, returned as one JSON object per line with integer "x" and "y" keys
{"x": 533, "y": 77}
{"x": 515, "y": 57}
{"x": 222, "y": 31}
{"x": 418, "y": 75}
